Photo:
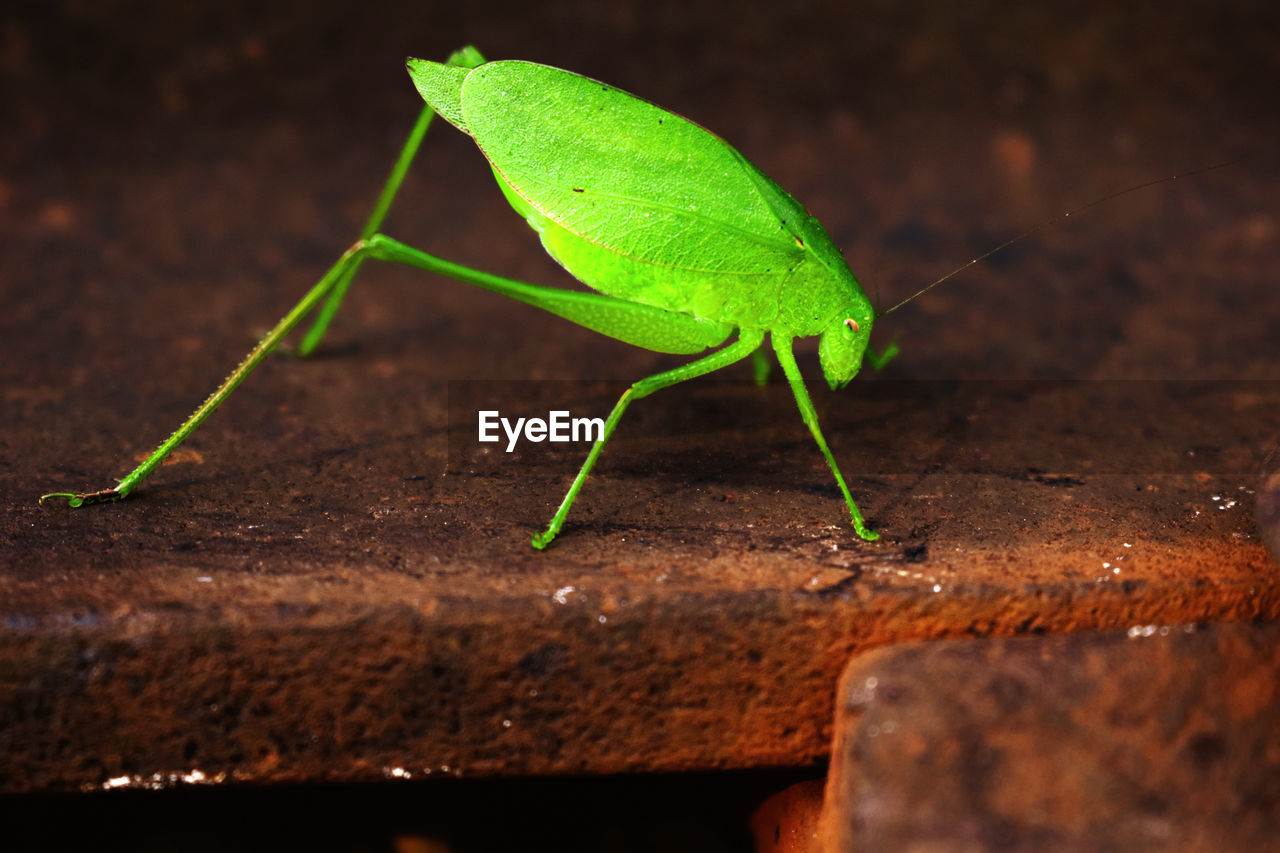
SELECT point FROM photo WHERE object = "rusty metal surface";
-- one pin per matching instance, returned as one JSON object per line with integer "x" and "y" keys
{"x": 1268, "y": 506}
{"x": 788, "y": 822}
{"x": 332, "y": 580}
{"x": 1163, "y": 737}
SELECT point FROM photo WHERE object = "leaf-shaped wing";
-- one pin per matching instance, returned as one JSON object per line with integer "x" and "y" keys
{"x": 629, "y": 176}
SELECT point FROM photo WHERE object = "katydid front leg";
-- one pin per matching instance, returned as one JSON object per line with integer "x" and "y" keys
{"x": 782, "y": 346}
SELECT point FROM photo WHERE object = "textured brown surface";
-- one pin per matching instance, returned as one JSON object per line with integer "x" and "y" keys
{"x": 332, "y": 581}
{"x": 1159, "y": 738}
{"x": 1269, "y": 503}
{"x": 788, "y": 821}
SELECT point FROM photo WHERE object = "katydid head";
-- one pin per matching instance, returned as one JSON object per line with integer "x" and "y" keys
{"x": 842, "y": 346}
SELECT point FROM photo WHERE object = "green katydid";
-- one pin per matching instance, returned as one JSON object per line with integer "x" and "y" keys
{"x": 685, "y": 242}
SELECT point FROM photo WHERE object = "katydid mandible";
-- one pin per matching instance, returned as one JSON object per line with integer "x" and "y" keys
{"x": 685, "y": 242}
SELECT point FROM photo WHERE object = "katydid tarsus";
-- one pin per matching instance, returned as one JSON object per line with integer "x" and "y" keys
{"x": 685, "y": 242}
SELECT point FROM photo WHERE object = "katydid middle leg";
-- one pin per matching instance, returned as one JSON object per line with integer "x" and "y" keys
{"x": 748, "y": 342}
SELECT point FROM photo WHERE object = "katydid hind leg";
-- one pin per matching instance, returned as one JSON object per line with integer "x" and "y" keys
{"x": 331, "y": 288}
{"x": 466, "y": 57}
{"x": 646, "y": 326}
{"x": 782, "y": 346}
{"x": 380, "y": 208}
{"x": 654, "y": 328}
{"x": 748, "y": 342}
{"x": 338, "y": 272}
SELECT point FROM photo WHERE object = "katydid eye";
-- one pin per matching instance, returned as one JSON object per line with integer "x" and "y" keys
{"x": 851, "y": 324}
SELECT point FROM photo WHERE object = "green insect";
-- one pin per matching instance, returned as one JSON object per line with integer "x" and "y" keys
{"x": 686, "y": 243}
